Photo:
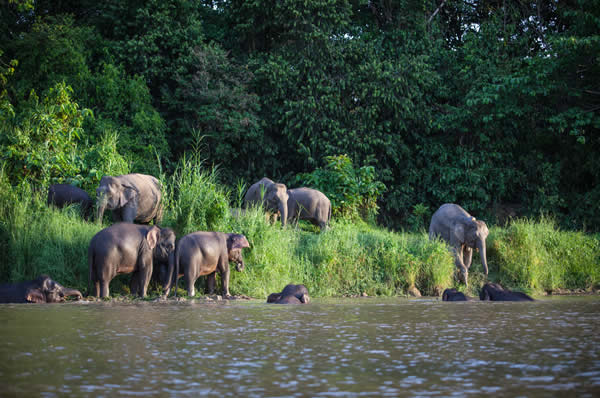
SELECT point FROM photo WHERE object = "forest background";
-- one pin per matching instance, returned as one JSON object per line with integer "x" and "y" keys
{"x": 494, "y": 105}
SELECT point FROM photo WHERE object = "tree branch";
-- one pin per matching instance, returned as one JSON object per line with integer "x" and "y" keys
{"x": 436, "y": 11}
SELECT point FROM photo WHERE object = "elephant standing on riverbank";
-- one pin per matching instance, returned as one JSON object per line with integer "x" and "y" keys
{"x": 205, "y": 253}
{"x": 495, "y": 292}
{"x": 61, "y": 195}
{"x": 309, "y": 204}
{"x": 40, "y": 290}
{"x": 131, "y": 197}
{"x": 291, "y": 294}
{"x": 273, "y": 197}
{"x": 125, "y": 248}
{"x": 463, "y": 233}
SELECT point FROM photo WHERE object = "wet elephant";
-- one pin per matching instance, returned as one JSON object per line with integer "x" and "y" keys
{"x": 61, "y": 195}
{"x": 126, "y": 248}
{"x": 206, "y": 253}
{"x": 463, "y": 233}
{"x": 454, "y": 295}
{"x": 271, "y": 195}
{"x": 309, "y": 204}
{"x": 40, "y": 290}
{"x": 495, "y": 292}
{"x": 131, "y": 197}
{"x": 291, "y": 294}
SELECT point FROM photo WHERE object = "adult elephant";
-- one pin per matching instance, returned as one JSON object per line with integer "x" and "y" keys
{"x": 291, "y": 294}
{"x": 125, "y": 248}
{"x": 455, "y": 295}
{"x": 271, "y": 195}
{"x": 495, "y": 292}
{"x": 131, "y": 197}
{"x": 61, "y": 195}
{"x": 309, "y": 204}
{"x": 40, "y": 290}
{"x": 463, "y": 233}
{"x": 205, "y": 253}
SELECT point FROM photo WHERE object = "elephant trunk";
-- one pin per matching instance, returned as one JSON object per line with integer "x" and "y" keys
{"x": 481, "y": 247}
{"x": 101, "y": 204}
{"x": 283, "y": 211}
{"x": 239, "y": 266}
{"x": 170, "y": 280}
{"x": 72, "y": 292}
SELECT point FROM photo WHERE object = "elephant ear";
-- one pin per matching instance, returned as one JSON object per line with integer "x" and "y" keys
{"x": 152, "y": 237}
{"x": 35, "y": 296}
{"x": 129, "y": 194}
{"x": 237, "y": 241}
{"x": 458, "y": 233}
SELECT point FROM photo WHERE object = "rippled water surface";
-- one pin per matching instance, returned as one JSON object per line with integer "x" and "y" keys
{"x": 334, "y": 347}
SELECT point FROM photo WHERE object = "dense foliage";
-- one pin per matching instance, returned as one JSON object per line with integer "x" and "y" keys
{"x": 494, "y": 105}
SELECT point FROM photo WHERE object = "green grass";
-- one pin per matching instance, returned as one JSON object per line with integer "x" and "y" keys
{"x": 348, "y": 259}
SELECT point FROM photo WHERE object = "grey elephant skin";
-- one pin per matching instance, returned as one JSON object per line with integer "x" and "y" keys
{"x": 131, "y": 198}
{"x": 495, "y": 292}
{"x": 40, "y": 290}
{"x": 61, "y": 195}
{"x": 454, "y": 295}
{"x": 463, "y": 233}
{"x": 125, "y": 248}
{"x": 309, "y": 204}
{"x": 291, "y": 294}
{"x": 271, "y": 195}
{"x": 206, "y": 253}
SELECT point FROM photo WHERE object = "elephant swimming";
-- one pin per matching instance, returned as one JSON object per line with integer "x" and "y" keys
{"x": 126, "y": 248}
{"x": 455, "y": 295}
{"x": 131, "y": 197}
{"x": 495, "y": 292}
{"x": 273, "y": 197}
{"x": 205, "y": 253}
{"x": 291, "y": 294}
{"x": 61, "y": 195}
{"x": 309, "y": 204}
{"x": 40, "y": 290}
{"x": 463, "y": 233}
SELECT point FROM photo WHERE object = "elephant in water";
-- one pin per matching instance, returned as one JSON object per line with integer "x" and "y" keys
{"x": 495, "y": 292}
{"x": 126, "y": 248}
{"x": 131, "y": 197}
{"x": 273, "y": 197}
{"x": 463, "y": 233}
{"x": 309, "y": 204}
{"x": 40, "y": 290}
{"x": 454, "y": 295}
{"x": 205, "y": 253}
{"x": 291, "y": 294}
{"x": 61, "y": 195}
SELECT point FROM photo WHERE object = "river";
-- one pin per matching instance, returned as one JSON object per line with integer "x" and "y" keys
{"x": 330, "y": 347}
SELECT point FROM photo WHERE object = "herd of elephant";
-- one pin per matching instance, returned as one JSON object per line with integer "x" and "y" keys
{"x": 146, "y": 251}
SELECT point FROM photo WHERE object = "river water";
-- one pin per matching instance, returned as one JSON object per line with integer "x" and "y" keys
{"x": 330, "y": 347}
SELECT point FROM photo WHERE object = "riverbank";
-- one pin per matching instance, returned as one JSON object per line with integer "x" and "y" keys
{"x": 349, "y": 259}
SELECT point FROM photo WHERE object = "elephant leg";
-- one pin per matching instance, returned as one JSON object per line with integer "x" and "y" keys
{"x": 104, "y": 289}
{"x": 458, "y": 256}
{"x": 210, "y": 282}
{"x": 134, "y": 285}
{"x": 97, "y": 288}
{"x": 468, "y": 257}
{"x": 225, "y": 282}
{"x": 190, "y": 282}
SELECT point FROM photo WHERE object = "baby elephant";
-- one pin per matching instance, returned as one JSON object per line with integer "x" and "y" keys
{"x": 291, "y": 294}
{"x": 61, "y": 195}
{"x": 40, "y": 290}
{"x": 205, "y": 253}
{"x": 455, "y": 295}
{"x": 495, "y": 292}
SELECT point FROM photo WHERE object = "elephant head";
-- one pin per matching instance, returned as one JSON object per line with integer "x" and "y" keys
{"x": 47, "y": 290}
{"x": 235, "y": 244}
{"x": 472, "y": 233}
{"x": 276, "y": 199}
{"x": 112, "y": 194}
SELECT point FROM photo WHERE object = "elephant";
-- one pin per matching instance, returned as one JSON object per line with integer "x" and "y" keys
{"x": 40, "y": 290}
{"x": 126, "y": 248}
{"x": 309, "y": 204}
{"x": 273, "y": 197}
{"x": 495, "y": 292}
{"x": 205, "y": 253}
{"x": 291, "y": 294}
{"x": 131, "y": 197}
{"x": 61, "y": 195}
{"x": 463, "y": 232}
{"x": 454, "y": 295}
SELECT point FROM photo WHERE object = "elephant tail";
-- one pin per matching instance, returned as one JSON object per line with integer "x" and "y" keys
{"x": 177, "y": 256}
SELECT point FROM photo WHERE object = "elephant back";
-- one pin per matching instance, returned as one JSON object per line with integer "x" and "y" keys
{"x": 149, "y": 195}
